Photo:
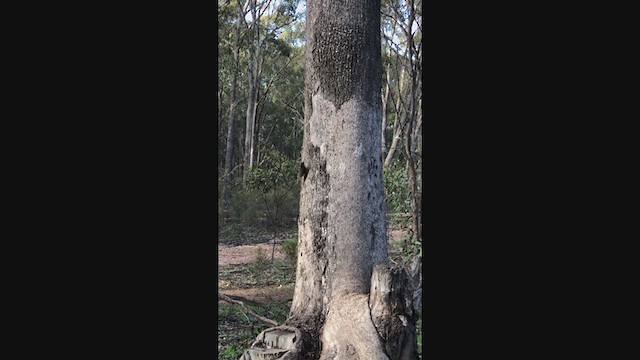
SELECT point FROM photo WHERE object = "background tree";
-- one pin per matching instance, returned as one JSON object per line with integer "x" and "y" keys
{"x": 277, "y": 121}
{"x": 233, "y": 102}
{"x": 346, "y": 295}
{"x": 266, "y": 19}
{"x": 402, "y": 32}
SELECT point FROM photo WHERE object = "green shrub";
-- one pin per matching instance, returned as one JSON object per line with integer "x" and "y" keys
{"x": 289, "y": 248}
{"x": 274, "y": 185}
{"x": 396, "y": 189}
{"x": 246, "y": 206}
{"x": 260, "y": 261}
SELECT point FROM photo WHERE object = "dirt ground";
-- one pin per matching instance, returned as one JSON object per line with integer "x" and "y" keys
{"x": 230, "y": 254}
{"x": 265, "y": 295}
{"x": 244, "y": 254}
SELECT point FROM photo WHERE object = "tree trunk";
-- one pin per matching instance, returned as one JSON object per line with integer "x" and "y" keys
{"x": 231, "y": 133}
{"x": 250, "y": 122}
{"x": 397, "y": 134}
{"x": 398, "y": 124}
{"x": 413, "y": 184}
{"x": 348, "y": 302}
{"x": 252, "y": 101}
{"x": 409, "y": 135}
{"x": 385, "y": 99}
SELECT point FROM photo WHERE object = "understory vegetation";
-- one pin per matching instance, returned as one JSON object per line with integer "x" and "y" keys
{"x": 273, "y": 282}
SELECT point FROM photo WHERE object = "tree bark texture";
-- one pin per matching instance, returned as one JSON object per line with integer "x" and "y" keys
{"x": 348, "y": 302}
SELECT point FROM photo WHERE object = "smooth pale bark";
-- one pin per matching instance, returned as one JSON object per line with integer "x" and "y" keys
{"x": 252, "y": 104}
{"x": 254, "y": 83}
{"x": 385, "y": 99}
{"x": 343, "y": 305}
{"x": 397, "y": 134}
{"x": 398, "y": 124}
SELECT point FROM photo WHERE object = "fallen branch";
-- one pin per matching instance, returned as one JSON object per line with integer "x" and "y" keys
{"x": 238, "y": 302}
{"x": 244, "y": 300}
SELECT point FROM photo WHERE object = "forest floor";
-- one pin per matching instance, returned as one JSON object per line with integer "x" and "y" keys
{"x": 247, "y": 272}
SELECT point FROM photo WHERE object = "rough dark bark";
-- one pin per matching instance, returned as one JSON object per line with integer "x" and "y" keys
{"x": 342, "y": 246}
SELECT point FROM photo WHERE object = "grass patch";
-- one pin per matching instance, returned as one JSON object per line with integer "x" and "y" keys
{"x": 244, "y": 276}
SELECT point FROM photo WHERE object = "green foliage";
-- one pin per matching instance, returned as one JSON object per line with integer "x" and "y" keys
{"x": 260, "y": 261}
{"x": 232, "y": 312}
{"x": 234, "y": 231}
{"x": 244, "y": 206}
{"x": 224, "y": 311}
{"x": 274, "y": 184}
{"x": 289, "y": 248}
{"x": 230, "y": 352}
{"x": 275, "y": 172}
{"x": 279, "y": 312}
{"x": 396, "y": 186}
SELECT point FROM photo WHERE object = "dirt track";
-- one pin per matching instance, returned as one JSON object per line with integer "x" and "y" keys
{"x": 244, "y": 254}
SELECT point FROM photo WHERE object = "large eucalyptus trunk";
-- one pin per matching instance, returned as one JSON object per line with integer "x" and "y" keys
{"x": 348, "y": 303}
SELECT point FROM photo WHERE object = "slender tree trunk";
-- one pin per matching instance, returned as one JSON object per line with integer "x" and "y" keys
{"x": 409, "y": 135}
{"x": 257, "y": 137}
{"x": 250, "y": 123}
{"x": 231, "y": 133}
{"x": 252, "y": 101}
{"x": 385, "y": 99}
{"x": 220, "y": 91}
{"x": 398, "y": 124}
{"x": 413, "y": 184}
{"x": 397, "y": 134}
{"x": 348, "y": 303}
